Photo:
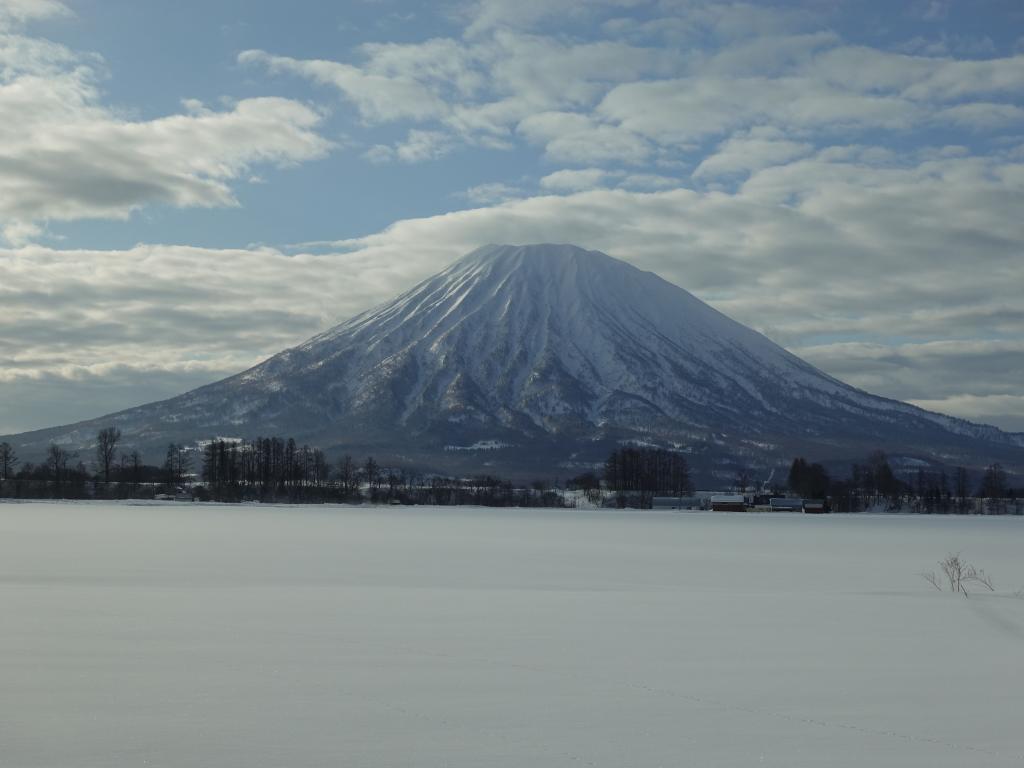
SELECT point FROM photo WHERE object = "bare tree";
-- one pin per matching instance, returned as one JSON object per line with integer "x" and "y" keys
{"x": 961, "y": 481}
{"x": 743, "y": 479}
{"x": 589, "y": 483}
{"x": 106, "y": 445}
{"x": 348, "y": 476}
{"x": 182, "y": 463}
{"x": 57, "y": 462}
{"x": 178, "y": 462}
{"x": 394, "y": 480}
{"x": 132, "y": 464}
{"x": 8, "y": 460}
{"x": 371, "y": 474}
{"x": 993, "y": 484}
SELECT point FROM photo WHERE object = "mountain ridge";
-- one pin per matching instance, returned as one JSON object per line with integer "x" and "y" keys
{"x": 559, "y": 352}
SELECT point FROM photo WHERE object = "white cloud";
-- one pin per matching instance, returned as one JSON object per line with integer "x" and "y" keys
{"x": 746, "y": 151}
{"x": 66, "y": 156}
{"x": 950, "y": 43}
{"x": 768, "y": 54}
{"x": 548, "y": 72}
{"x": 927, "y": 369}
{"x": 633, "y": 103}
{"x": 170, "y": 307}
{"x": 380, "y": 153}
{"x": 575, "y": 138}
{"x": 18, "y": 233}
{"x": 934, "y": 10}
{"x": 66, "y": 159}
{"x": 441, "y": 62}
{"x": 379, "y": 98}
{"x": 784, "y": 86}
{"x": 576, "y": 180}
{"x": 984, "y": 116}
{"x": 479, "y": 90}
{"x": 649, "y": 181}
{"x": 949, "y": 79}
{"x": 13, "y": 12}
{"x": 486, "y": 15}
{"x": 974, "y": 379}
{"x": 419, "y": 146}
{"x": 687, "y": 22}
{"x": 675, "y": 112}
{"x": 492, "y": 192}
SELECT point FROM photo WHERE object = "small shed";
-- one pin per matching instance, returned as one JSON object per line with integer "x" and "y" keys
{"x": 728, "y": 503}
{"x": 779, "y": 504}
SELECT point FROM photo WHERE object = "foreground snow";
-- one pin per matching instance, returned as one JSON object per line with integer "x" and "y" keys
{"x": 255, "y": 636}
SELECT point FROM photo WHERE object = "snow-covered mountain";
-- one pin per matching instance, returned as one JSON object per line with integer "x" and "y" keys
{"x": 542, "y": 357}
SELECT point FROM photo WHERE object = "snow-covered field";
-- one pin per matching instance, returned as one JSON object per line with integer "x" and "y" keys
{"x": 269, "y": 636}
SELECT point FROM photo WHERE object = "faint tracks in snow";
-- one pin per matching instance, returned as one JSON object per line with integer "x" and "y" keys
{"x": 821, "y": 723}
{"x": 702, "y": 701}
{"x": 987, "y": 610}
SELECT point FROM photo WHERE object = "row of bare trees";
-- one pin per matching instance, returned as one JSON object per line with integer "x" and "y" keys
{"x": 644, "y": 472}
{"x": 276, "y": 469}
{"x": 266, "y": 468}
{"x": 874, "y": 484}
{"x": 59, "y": 475}
{"x": 63, "y": 474}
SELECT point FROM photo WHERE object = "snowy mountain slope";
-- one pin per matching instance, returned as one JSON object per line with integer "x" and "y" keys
{"x": 554, "y": 352}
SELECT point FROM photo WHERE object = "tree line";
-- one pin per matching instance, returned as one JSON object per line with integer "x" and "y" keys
{"x": 276, "y": 469}
{"x": 635, "y": 475}
{"x": 269, "y": 469}
{"x": 874, "y": 484}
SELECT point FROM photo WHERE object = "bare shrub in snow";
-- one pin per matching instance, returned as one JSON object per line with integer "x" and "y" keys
{"x": 978, "y": 576}
{"x": 953, "y": 567}
{"x": 932, "y": 579}
{"x": 959, "y": 574}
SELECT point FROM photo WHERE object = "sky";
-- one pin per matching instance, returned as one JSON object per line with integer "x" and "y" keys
{"x": 187, "y": 188}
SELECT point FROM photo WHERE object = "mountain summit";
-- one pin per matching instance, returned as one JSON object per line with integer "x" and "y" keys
{"x": 529, "y": 358}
